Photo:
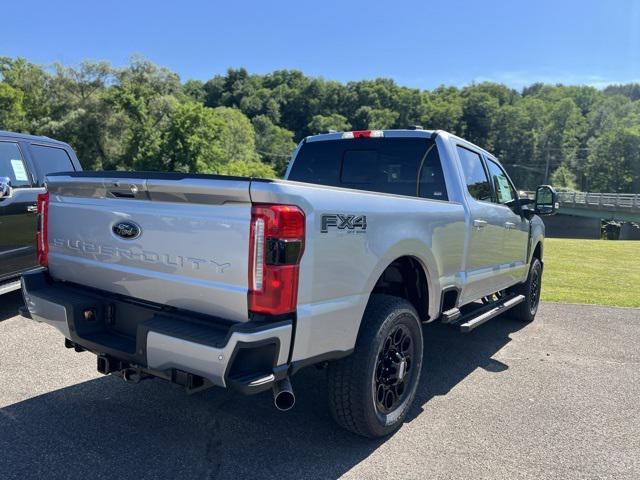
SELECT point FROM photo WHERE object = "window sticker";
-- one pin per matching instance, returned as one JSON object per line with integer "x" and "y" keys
{"x": 19, "y": 171}
{"x": 505, "y": 188}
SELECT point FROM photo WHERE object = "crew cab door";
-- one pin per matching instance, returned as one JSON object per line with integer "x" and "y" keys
{"x": 17, "y": 213}
{"x": 485, "y": 231}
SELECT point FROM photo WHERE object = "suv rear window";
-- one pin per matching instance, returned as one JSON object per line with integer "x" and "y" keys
{"x": 51, "y": 160}
{"x": 401, "y": 166}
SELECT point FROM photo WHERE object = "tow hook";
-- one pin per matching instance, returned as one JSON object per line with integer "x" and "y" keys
{"x": 134, "y": 375}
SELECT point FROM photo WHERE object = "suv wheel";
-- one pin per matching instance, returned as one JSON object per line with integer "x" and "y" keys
{"x": 371, "y": 391}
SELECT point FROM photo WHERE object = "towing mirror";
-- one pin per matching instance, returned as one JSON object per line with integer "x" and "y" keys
{"x": 546, "y": 202}
{"x": 5, "y": 187}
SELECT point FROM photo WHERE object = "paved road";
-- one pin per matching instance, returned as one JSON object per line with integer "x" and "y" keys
{"x": 556, "y": 399}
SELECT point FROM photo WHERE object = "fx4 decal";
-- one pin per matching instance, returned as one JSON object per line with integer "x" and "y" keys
{"x": 352, "y": 223}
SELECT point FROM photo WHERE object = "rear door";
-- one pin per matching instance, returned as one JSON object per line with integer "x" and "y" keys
{"x": 17, "y": 213}
{"x": 486, "y": 229}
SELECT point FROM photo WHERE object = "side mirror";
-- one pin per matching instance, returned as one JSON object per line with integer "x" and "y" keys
{"x": 546, "y": 202}
{"x": 5, "y": 187}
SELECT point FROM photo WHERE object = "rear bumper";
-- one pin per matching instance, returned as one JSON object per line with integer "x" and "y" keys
{"x": 246, "y": 356}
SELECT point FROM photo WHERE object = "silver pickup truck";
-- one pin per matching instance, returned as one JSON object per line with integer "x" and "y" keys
{"x": 207, "y": 280}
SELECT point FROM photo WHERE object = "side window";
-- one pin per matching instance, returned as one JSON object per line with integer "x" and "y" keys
{"x": 504, "y": 191}
{"x": 12, "y": 165}
{"x": 475, "y": 175}
{"x": 431, "y": 182}
{"x": 51, "y": 160}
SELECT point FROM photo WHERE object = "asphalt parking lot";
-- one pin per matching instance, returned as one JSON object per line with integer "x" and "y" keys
{"x": 555, "y": 399}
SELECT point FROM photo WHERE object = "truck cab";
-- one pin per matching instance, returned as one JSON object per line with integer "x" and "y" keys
{"x": 25, "y": 161}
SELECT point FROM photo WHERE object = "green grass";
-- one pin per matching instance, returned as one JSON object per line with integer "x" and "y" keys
{"x": 592, "y": 271}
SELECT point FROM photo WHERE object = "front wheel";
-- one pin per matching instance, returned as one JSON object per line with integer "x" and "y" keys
{"x": 371, "y": 391}
{"x": 526, "y": 310}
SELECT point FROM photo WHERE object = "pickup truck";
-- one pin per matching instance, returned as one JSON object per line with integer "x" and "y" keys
{"x": 25, "y": 161}
{"x": 208, "y": 280}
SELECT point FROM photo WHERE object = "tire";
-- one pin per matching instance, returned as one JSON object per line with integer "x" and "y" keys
{"x": 526, "y": 310}
{"x": 371, "y": 391}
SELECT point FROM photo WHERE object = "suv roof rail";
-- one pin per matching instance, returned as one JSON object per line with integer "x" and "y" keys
{"x": 416, "y": 127}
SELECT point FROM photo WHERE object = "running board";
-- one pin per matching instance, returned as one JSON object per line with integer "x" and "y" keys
{"x": 476, "y": 320}
{"x": 10, "y": 287}
{"x": 450, "y": 316}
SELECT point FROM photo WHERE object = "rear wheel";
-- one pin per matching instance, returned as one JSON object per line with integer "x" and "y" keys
{"x": 371, "y": 391}
{"x": 526, "y": 310}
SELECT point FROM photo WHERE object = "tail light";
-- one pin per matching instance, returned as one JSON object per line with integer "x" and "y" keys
{"x": 275, "y": 248}
{"x": 42, "y": 235}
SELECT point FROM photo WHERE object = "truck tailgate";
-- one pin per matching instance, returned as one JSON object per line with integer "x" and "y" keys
{"x": 180, "y": 241}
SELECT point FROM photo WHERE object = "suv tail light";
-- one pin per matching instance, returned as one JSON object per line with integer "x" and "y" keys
{"x": 42, "y": 235}
{"x": 275, "y": 247}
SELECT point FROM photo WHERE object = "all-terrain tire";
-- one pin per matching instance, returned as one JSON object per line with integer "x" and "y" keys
{"x": 526, "y": 310}
{"x": 370, "y": 391}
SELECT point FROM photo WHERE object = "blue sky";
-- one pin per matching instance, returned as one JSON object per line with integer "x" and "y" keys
{"x": 419, "y": 44}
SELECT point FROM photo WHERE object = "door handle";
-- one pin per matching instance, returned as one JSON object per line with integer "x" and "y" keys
{"x": 32, "y": 208}
{"x": 509, "y": 225}
{"x": 479, "y": 224}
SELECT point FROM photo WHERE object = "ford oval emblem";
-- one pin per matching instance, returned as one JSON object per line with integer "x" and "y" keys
{"x": 126, "y": 230}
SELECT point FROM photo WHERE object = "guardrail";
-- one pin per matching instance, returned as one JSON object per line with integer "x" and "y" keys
{"x": 600, "y": 201}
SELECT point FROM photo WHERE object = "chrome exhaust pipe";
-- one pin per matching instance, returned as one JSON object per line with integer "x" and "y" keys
{"x": 283, "y": 397}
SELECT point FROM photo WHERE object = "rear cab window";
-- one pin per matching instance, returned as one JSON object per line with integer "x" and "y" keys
{"x": 407, "y": 166}
{"x": 12, "y": 165}
{"x": 49, "y": 159}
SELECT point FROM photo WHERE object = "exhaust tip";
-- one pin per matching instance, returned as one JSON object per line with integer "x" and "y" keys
{"x": 283, "y": 396}
{"x": 285, "y": 401}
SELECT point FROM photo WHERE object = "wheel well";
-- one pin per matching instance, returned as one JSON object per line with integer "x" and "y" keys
{"x": 537, "y": 252}
{"x": 405, "y": 278}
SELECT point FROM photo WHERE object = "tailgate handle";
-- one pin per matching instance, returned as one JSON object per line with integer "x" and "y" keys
{"x": 120, "y": 194}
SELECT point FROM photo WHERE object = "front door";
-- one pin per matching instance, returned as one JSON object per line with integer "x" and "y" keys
{"x": 516, "y": 227}
{"x": 17, "y": 214}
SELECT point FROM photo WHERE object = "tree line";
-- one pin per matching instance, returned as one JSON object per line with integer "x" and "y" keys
{"x": 143, "y": 117}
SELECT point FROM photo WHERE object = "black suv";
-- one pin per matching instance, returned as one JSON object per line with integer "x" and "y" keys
{"x": 25, "y": 160}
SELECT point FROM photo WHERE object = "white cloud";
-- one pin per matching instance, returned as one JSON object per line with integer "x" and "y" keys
{"x": 519, "y": 79}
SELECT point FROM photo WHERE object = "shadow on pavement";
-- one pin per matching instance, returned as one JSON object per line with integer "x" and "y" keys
{"x": 105, "y": 428}
{"x": 9, "y": 304}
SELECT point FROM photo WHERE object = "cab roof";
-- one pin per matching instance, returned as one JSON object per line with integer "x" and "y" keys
{"x": 31, "y": 138}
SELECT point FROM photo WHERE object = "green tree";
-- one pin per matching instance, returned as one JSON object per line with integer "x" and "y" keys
{"x": 614, "y": 161}
{"x": 478, "y": 112}
{"x": 274, "y": 144}
{"x": 563, "y": 179}
{"x": 11, "y": 111}
{"x": 80, "y": 114}
{"x": 325, "y": 123}
{"x": 205, "y": 140}
{"x": 33, "y": 82}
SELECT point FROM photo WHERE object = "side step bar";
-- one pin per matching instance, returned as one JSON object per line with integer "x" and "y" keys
{"x": 9, "y": 287}
{"x": 451, "y": 315}
{"x": 475, "y": 319}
